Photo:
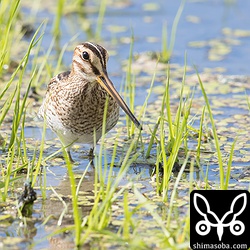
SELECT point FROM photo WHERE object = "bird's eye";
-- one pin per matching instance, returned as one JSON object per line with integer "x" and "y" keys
{"x": 85, "y": 55}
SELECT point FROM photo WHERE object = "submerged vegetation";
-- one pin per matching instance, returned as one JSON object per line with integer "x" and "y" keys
{"x": 183, "y": 142}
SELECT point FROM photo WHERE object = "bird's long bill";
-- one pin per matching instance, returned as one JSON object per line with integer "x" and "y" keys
{"x": 109, "y": 87}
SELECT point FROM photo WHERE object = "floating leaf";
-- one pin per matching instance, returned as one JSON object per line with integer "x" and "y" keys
{"x": 151, "y": 6}
{"x": 117, "y": 28}
{"x": 193, "y": 19}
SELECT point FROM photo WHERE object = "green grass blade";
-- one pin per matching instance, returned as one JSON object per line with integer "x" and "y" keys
{"x": 229, "y": 165}
{"x": 198, "y": 150}
{"x": 216, "y": 139}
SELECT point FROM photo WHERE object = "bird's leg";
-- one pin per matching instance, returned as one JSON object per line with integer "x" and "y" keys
{"x": 69, "y": 155}
{"x": 91, "y": 153}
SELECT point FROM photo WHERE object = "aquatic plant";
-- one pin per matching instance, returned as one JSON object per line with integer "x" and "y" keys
{"x": 10, "y": 36}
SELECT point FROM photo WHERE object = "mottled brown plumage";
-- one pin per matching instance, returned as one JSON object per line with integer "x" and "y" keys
{"x": 75, "y": 100}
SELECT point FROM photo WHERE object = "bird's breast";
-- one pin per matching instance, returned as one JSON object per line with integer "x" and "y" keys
{"x": 81, "y": 108}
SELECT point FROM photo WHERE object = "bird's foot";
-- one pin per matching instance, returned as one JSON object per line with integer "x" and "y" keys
{"x": 70, "y": 158}
{"x": 91, "y": 154}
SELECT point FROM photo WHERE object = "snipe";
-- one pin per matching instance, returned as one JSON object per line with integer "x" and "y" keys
{"x": 75, "y": 100}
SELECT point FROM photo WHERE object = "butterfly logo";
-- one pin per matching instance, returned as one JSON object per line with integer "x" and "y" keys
{"x": 203, "y": 227}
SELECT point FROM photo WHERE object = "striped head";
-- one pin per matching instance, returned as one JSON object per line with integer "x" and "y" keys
{"x": 90, "y": 61}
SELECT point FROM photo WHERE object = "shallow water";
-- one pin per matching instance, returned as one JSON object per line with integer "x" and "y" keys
{"x": 200, "y": 21}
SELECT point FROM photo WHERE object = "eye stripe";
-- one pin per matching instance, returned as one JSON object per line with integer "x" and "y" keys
{"x": 98, "y": 51}
{"x": 94, "y": 69}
